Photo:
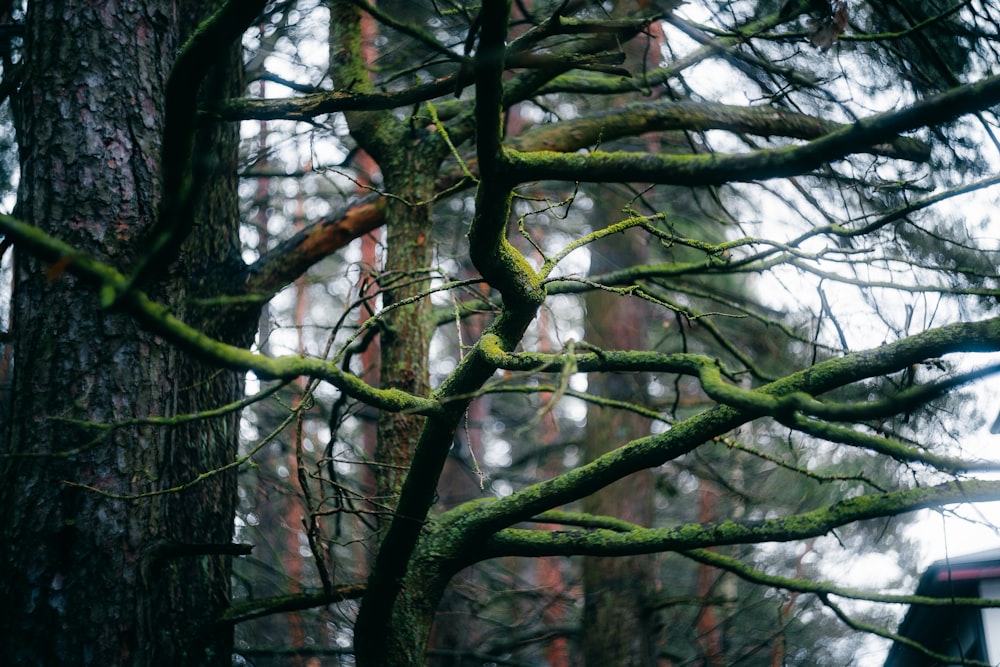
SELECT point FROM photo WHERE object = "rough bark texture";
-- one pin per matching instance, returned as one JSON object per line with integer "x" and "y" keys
{"x": 93, "y": 577}
{"x": 404, "y": 344}
{"x": 405, "y": 339}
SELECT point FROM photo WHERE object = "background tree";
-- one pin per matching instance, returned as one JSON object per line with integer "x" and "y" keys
{"x": 774, "y": 419}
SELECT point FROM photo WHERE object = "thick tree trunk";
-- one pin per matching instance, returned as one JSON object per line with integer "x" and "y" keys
{"x": 94, "y": 575}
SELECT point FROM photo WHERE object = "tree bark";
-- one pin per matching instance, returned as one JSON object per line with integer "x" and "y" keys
{"x": 405, "y": 338}
{"x": 96, "y": 572}
{"x": 616, "y": 621}
{"x": 404, "y": 344}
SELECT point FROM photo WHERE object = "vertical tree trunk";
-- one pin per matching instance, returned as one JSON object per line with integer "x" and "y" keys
{"x": 409, "y": 157}
{"x": 404, "y": 344}
{"x": 94, "y": 575}
{"x": 405, "y": 337}
{"x": 707, "y": 624}
{"x": 616, "y": 624}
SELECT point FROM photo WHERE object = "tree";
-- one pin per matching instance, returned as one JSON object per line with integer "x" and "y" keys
{"x": 104, "y": 410}
{"x": 133, "y": 310}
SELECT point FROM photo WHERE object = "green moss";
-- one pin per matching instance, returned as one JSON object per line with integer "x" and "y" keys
{"x": 605, "y": 542}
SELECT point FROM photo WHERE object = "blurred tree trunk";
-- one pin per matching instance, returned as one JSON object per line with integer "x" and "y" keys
{"x": 94, "y": 575}
{"x": 616, "y": 623}
{"x": 458, "y": 630}
{"x": 708, "y": 624}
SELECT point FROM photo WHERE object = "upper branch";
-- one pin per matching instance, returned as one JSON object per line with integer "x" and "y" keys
{"x": 717, "y": 169}
{"x": 724, "y": 45}
{"x": 310, "y": 106}
{"x": 498, "y": 261}
{"x": 657, "y": 116}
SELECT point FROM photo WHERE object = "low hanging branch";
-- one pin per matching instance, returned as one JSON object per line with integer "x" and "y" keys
{"x": 654, "y": 450}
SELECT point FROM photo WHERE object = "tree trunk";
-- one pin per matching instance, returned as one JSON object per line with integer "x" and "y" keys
{"x": 616, "y": 623}
{"x": 708, "y": 625}
{"x": 94, "y": 575}
{"x": 405, "y": 337}
{"x": 404, "y": 343}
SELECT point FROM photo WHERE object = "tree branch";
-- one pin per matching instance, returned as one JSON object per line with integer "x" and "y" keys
{"x": 755, "y": 576}
{"x": 658, "y": 116}
{"x": 685, "y": 436}
{"x": 719, "y": 169}
{"x": 605, "y": 542}
{"x": 310, "y": 106}
{"x": 251, "y": 609}
{"x": 824, "y": 590}
{"x": 200, "y": 53}
{"x": 157, "y": 318}
{"x": 293, "y": 257}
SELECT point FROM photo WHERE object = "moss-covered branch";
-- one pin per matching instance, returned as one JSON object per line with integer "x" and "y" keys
{"x": 291, "y": 258}
{"x": 203, "y": 50}
{"x": 659, "y": 116}
{"x": 885, "y": 446}
{"x": 762, "y": 402}
{"x": 685, "y": 436}
{"x": 826, "y": 590}
{"x": 605, "y": 542}
{"x": 859, "y": 626}
{"x": 755, "y": 576}
{"x": 498, "y": 261}
{"x": 155, "y": 317}
{"x": 718, "y": 169}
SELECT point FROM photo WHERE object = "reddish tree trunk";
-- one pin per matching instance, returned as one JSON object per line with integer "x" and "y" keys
{"x": 709, "y": 631}
{"x": 616, "y": 623}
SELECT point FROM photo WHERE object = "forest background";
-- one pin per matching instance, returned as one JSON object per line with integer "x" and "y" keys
{"x": 531, "y": 333}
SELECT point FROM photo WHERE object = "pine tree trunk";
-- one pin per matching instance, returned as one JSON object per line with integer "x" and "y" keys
{"x": 405, "y": 336}
{"x": 404, "y": 344}
{"x": 616, "y": 622}
{"x": 94, "y": 575}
